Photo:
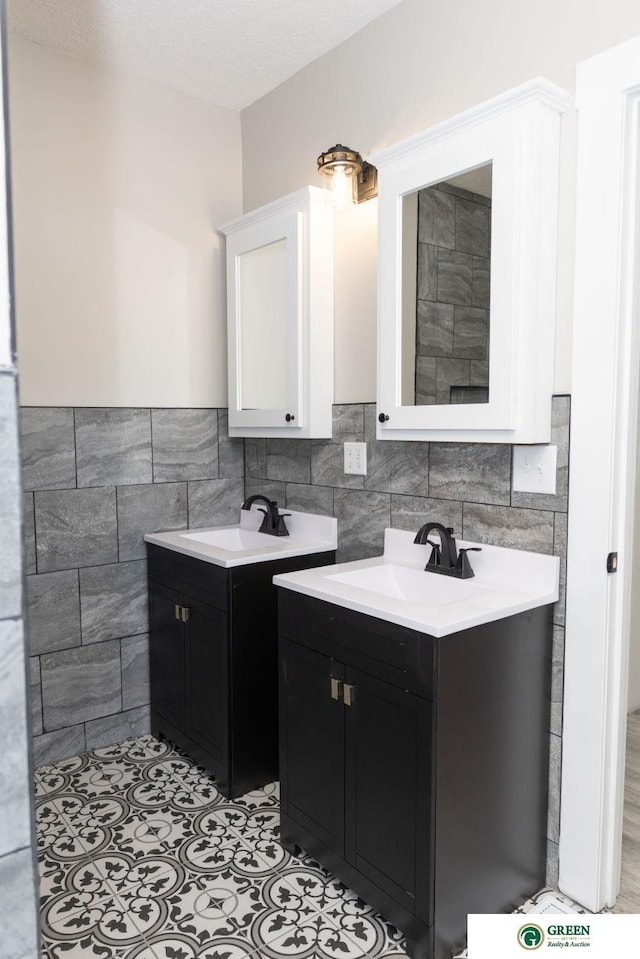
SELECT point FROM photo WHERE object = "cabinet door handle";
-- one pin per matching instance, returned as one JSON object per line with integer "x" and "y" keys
{"x": 349, "y": 694}
{"x": 336, "y": 688}
{"x": 177, "y": 610}
{"x": 184, "y": 614}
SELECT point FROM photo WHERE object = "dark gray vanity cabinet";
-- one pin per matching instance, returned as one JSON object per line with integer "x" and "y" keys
{"x": 213, "y": 662}
{"x": 415, "y": 768}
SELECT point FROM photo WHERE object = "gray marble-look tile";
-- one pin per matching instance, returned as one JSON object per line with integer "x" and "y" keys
{"x": 394, "y": 466}
{"x": 479, "y": 373}
{"x": 289, "y": 460}
{"x": 75, "y": 528}
{"x": 113, "y": 601}
{"x": 148, "y": 509}
{"x": 557, "y": 681}
{"x": 425, "y": 380}
{"x": 528, "y": 529}
{"x": 215, "y": 502}
{"x": 81, "y": 684}
{"x": 19, "y": 917}
{"x": 11, "y": 502}
{"x": 473, "y": 472}
{"x": 48, "y": 448}
{"x": 362, "y": 518}
{"x": 35, "y": 691}
{"x": 15, "y": 822}
{"x": 450, "y": 376}
{"x": 53, "y": 611}
{"x": 113, "y": 446}
{"x": 471, "y": 333}
{"x": 134, "y": 654}
{"x": 427, "y": 271}
{"x": 434, "y": 328}
{"x": 558, "y": 501}
{"x": 472, "y": 227}
{"x": 411, "y": 512}
{"x": 347, "y": 423}
{"x": 555, "y": 764}
{"x": 327, "y": 467}
{"x": 310, "y": 499}
{"x": 61, "y": 744}
{"x": 255, "y": 457}
{"x": 481, "y": 284}
{"x": 560, "y": 549}
{"x": 553, "y": 860}
{"x": 437, "y": 218}
{"x": 29, "y": 534}
{"x": 275, "y": 490}
{"x": 230, "y": 450}
{"x": 117, "y": 728}
{"x": 469, "y": 394}
{"x": 185, "y": 445}
{"x": 455, "y": 277}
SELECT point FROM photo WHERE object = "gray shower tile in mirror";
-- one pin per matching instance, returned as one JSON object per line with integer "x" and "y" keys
{"x": 555, "y": 763}
{"x": 81, "y": 684}
{"x": 557, "y": 681}
{"x": 450, "y": 375}
{"x": 310, "y": 499}
{"x": 75, "y": 528}
{"x": 53, "y": 607}
{"x": 274, "y": 489}
{"x": 427, "y": 271}
{"x": 473, "y": 472}
{"x": 437, "y": 218}
{"x": 61, "y": 744}
{"x": 455, "y": 277}
{"x": 481, "y": 284}
{"x": 113, "y": 601}
{"x": 230, "y": 450}
{"x": 470, "y": 333}
{"x": 134, "y": 652}
{"x": 48, "y": 448}
{"x": 185, "y": 445}
{"x": 113, "y": 446}
{"x": 362, "y": 518}
{"x": 558, "y": 501}
{"x": 411, "y": 512}
{"x": 255, "y": 457}
{"x": 479, "y": 373}
{"x": 529, "y": 529}
{"x": 29, "y": 534}
{"x": 15, "y": 822}
{"x": 327, "y": 467}
{"x": 425, "y": 380}
{"x": 19, "y": 926}
{"x": 289, "y": 460}
{"x": 560, "y": 549}
{"x": 35, "y": 692}
{"x": 215, "y": 502}
{"x": 152, "y": 508}
{"x": 117, "y": 728}
{"x": 472, "y": 227}
{"x": 434, "y": 334}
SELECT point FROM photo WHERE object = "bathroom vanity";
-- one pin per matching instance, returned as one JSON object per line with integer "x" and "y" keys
{"x": 414, "y": 736}
{"x": 213, "y": 640}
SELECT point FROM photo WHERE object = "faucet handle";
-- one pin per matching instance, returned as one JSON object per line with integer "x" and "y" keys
{"x": 463, "y": 564}
{"x": 436, "y": 554}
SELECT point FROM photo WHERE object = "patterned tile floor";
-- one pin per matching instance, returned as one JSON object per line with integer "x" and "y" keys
{"x": 140, "y": 857}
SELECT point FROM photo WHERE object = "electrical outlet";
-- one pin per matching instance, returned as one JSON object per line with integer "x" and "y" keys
{"x": 355, "y": 458}
{"x": 534, "y": 469}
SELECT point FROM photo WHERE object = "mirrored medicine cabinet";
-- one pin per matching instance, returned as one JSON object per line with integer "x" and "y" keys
{"x": 466, "y": 273}
{"x": 280, "y": 318}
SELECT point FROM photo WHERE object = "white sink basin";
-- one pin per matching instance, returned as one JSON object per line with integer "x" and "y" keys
{"x": 411, "y": 585}
{"x": 235, "y": 539}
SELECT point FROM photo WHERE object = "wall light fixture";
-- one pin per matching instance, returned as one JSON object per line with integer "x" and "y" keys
{"x": 351, "y": 179}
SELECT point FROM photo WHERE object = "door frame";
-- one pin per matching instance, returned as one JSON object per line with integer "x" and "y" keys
{"x": 602, "y": 474}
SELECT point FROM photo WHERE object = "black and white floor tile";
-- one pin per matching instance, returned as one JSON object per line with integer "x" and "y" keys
{"x": 142, "y": 858}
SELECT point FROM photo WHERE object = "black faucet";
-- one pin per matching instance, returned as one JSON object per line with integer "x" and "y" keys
{"x": 273, "y": 522}
{"x": 444, "y": 556}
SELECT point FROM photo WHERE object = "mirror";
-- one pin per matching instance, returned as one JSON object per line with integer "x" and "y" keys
{"x": 446, "y": 267}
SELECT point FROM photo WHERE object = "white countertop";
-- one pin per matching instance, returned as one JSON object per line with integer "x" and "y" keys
{"x": 506, "y": 582}
{"x": 308, "y": 533}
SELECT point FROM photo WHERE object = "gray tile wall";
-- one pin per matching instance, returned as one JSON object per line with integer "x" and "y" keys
{"x": 467, "y": 486}
{"x": 19, "y": 926}
{"x": 95, "y": 481}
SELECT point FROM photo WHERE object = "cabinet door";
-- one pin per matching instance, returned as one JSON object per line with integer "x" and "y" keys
{"x": 207, "y": 679}
{"x": 312, "y": 742}
{"x": 383, "y": 784}
{"x": 166, "y": 644}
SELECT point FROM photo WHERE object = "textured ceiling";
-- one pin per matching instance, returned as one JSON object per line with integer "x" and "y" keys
{"x": 230, "y": 52}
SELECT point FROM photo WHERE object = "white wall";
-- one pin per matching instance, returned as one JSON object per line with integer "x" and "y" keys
{"x": 634, "y": 624}
{"x": 118, "y": 185}
{"x": 416, "y": 65}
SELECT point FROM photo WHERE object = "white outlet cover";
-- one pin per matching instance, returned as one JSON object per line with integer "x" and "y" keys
{"x": 355, "y": 458}
{"x": 534, "y": 469}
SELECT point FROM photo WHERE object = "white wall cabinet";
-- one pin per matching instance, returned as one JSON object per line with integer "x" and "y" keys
{"x": 280, "y": 318}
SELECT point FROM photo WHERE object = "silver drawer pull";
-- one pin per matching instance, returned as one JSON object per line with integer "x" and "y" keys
{"x": 336, "y": 688}
{"x": 349, "y": 694}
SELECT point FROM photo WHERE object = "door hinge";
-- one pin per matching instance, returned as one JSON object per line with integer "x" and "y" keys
{"x": 336, "y": 688}
{"x": 612, "y": 563}
{"x": 349, "y": 694}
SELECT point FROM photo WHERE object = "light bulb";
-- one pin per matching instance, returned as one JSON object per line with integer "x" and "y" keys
{"x": 342, "y": 186}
